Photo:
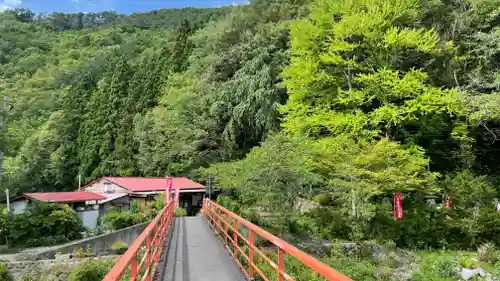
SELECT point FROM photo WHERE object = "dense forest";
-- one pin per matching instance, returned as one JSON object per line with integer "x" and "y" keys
{"x": 344, "y": 102}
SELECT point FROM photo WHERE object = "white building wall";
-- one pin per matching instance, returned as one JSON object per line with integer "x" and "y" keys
{"x": 18, "y": 206}
{"x": 98, "y": 187}
{"x": 89, "y": 218}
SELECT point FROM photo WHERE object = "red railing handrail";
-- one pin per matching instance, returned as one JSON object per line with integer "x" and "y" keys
{"x": 158, "y": 228}
{"x": 314, "y": 264}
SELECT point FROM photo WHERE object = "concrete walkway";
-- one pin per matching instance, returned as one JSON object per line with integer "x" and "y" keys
{"x": 195, "y": 253}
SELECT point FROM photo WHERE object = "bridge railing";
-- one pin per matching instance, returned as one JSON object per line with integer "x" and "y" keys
{"x": 141, "y": 258}
{"x": 252, "y": 259}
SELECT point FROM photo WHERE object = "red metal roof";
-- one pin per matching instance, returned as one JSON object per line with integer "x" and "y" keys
{"x": 64, "y": 197}
{"x": 153, "y": 184}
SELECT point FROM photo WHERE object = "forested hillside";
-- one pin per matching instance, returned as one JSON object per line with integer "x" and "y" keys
{"x": 279, "y": 100}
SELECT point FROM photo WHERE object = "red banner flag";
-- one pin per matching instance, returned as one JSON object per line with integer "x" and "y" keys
{"x": 447, "y": 203}
{"x": 398, "y": 206}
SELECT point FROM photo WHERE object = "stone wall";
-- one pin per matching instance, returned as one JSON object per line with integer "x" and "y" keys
{"x": 98, "y": 244}
{"x": 53, "y": 270}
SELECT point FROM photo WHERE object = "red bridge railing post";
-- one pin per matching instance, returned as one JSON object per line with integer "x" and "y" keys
{"x": 235, "y": 238}
{"x": 281, "y": 264}
{"x": 251, "y": 253}
{"x": 133, "y": 268}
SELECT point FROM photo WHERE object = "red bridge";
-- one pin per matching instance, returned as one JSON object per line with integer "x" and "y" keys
{"x": 219, "y": 246}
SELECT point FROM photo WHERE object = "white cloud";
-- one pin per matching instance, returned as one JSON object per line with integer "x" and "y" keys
{"x": 75, "y": 1}
{"x": 9, "y": 4}
{"x": 240, "y": 3}
{"x": 12, "y": 3}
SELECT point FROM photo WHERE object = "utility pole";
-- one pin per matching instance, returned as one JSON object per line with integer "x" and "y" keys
{"x": 79, "y": 182}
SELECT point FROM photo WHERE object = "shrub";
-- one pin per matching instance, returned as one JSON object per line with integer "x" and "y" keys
{"x": 4, "y": 274}
{"x": 466, "y": 262}
{"x": 79, "y": 253}
{"x": 487, "y": 253}
{"x": 119, "y": 220}
{"x": 354, "y": 268}
{"x": 43, "y": 225}
{"x": 229, "y": 203}
{"x": 180, "y": 212}
{"x": 135, "y": 207}
{"x": 119, "y": 245}
{"x": 439, "y": 266}
{"x": 324, "y": 199}
{"x": 93, "y": 270}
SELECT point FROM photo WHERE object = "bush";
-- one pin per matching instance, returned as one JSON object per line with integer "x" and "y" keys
{"x": 487, "y": 253}
{"x": 180, "y": 212}
{"x": 229, "y": 203}
{"x": 119, "y": 220}
{"x": 466, "y": 262}
{"x": 119, "y": 245}
{"x": 324, "y": 199}
{"x": 44, "y": 225}
{"x": 4, "y": 274}
{"x": 439, "y": 266}
{"x": 79, "y": 253}
{"x": 93, "y": 270}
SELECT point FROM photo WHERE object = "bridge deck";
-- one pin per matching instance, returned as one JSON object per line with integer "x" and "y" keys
{"x": 194, "y": 253}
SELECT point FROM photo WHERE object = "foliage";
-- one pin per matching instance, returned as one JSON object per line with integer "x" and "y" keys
{"x": 120, "y": 220}
{"x": 79, "y": 253}
{"x": 43, "y": 225}
{"x": 116, "y": 219}
{"x": 3, "y": 222}
{"x": 438, "y": 267}
{"x": 324, "y": 199}
{"x": 488, "y": 253}
{"x": 180, "y": 212}
{"x": 119, "y": 245}
{"x": 281, "y": 101}
{"x": 466, "y": 262}
{"x": 92, "y": 270}
{"x": 4, "y": 274}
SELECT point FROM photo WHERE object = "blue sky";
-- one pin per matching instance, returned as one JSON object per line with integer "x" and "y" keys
{"x": 120, "y": 6}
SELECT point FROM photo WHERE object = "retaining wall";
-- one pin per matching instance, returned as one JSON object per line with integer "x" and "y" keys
{"x": 98, "y": 244}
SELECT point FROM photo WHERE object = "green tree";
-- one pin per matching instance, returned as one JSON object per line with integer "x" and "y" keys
{"x": 44, "y": 225}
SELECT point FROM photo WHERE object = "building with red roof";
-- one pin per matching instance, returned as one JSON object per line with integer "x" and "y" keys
{"x": 86, "y": 204}
{"x": 94, "y": 200}
{"x": 149, "y": 189}
{"x": 138, "y": 185}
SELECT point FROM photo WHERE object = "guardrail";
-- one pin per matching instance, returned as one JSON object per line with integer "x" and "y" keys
{"x": 243, "y": 247}
{"x": 151, "y": 241}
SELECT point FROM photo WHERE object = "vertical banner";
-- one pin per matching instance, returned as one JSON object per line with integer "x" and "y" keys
{"x": 398, "y": 206}
{"x": 447, "y": 203}
{"x": 168, "y": 192}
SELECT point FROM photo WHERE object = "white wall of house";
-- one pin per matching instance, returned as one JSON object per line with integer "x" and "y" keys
{"x": 18, "y": 206}
{"x": 100, "y": 186}
{"x": 89, "y": 218}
